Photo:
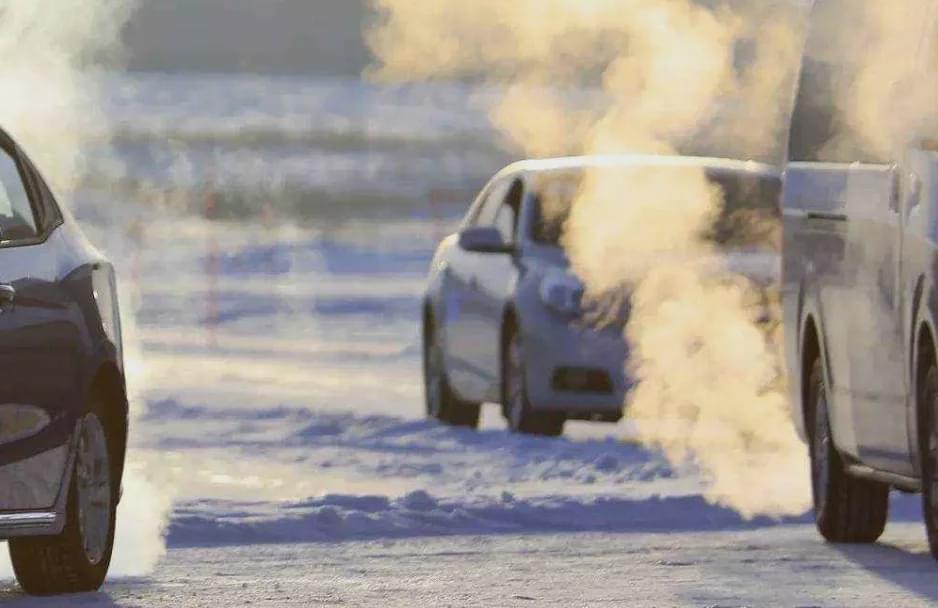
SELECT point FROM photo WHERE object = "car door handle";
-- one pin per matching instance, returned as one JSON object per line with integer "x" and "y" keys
{"x": 7, "y": 297}
{"x": 473, "y": 283}
{"x": 827, "y": 216}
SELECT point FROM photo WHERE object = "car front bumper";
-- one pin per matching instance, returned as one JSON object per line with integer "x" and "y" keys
{"x": 574, "y": 368}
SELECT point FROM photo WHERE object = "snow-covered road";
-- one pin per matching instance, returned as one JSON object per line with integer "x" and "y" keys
{"x": 777, "y": 567}
{"x": 284, "y": 413}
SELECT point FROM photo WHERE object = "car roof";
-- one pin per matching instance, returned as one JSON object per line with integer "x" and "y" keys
{"x": 584, "y": 163}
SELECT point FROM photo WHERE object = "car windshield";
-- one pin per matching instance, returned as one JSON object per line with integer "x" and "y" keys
{"x": 750, "y": 217}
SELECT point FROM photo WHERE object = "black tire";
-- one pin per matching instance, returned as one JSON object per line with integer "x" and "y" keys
{"x": 522, "y": 417}
{"x": 50, "y": 565}
{"x": 928, "y": 415}
{"x": 441, "y": 403}
{"x": 846, "y": 509}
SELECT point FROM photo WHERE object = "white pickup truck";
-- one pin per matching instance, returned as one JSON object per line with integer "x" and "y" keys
{"x": 859, "y": 296}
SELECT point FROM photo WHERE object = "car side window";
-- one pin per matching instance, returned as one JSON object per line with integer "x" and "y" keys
{"x": 17, "y": 218}
{"x": 472, "y": 216}
{"x": 501, "y": 208}
{"x": 48, "y": 212}
{"x": 492, "y": 204}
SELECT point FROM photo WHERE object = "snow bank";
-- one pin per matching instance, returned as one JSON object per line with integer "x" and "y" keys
{"x": 335, "y": 518}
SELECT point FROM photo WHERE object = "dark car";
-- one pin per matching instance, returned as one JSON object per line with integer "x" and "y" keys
{"x": 63, "y": 409}
{"x": 860, "y": 297}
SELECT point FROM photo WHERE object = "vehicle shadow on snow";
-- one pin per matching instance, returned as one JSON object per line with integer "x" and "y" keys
{"x": 912, "y": 569}
{"x": 12, "y": 597}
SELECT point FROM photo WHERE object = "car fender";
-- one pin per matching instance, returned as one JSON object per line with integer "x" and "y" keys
{"x": 924, "y": 309}
{"x": 436, "y": 280}
{"x": 809, "y": 310}
{"x": 524, "y": 293}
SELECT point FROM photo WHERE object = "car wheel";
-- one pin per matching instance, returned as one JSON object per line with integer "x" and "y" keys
{"x": 522, "y": 418}
{"x": 76, "y": 560}
{"x": 846, "y": 509}
{"x": 928, "y": 408}
{"x": 441, "y": 403}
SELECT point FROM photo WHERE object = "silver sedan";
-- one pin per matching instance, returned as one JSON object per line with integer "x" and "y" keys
{"x": 504, "y": 318}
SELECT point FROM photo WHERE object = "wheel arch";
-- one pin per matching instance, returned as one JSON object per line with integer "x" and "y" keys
{"x": 919, "y": 322}
{"x": 109, "y": 386}
{"x": 810, "y": 351}
{"x": 924, "y": 351}
{"x": 510, "y": 321}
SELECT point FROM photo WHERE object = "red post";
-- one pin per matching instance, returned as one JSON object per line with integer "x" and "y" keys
{"x": 212, "y": 269}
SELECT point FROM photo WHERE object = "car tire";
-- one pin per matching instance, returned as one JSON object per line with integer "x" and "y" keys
{"x": 522, "y": 417}
{"x": 77, "y": 559}
{"x": 846, "y": 509}
{"x": 928, "y": 412}
{"x": 441, "y": 403}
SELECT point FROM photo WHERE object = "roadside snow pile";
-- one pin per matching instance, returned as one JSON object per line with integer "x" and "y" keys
{"x": 335, "y": 518}
{"x": 301, "y": 452}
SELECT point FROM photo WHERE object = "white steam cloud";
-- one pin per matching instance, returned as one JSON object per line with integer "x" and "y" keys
{"x": 884, "y": 87}
{"x": 50, "y": 75}
{"x": 670, "y": 78}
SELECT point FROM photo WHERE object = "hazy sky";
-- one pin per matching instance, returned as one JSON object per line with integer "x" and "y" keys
{"x": 317, "y": 36}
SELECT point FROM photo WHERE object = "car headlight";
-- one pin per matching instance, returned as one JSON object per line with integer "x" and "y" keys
{"x": 562, "y": 293}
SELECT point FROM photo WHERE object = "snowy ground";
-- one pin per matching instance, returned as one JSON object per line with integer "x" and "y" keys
{"x": 292, "y": 371}
{"x": 782, "y": 566}
{"x": 284, "y": 410}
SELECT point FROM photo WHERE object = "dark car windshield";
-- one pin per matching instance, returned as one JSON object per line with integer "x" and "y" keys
{"x": 750, "y": 216}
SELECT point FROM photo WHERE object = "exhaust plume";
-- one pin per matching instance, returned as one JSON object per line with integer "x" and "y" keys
{"x": 663, "y": 77}
{"x": 882, "y": 63}
{"x": 53, "y": 58}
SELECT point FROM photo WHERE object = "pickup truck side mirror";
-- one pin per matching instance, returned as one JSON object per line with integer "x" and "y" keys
{"x": 484, "y": 239}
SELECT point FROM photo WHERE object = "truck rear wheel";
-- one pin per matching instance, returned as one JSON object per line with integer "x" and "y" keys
{"x": 846, "y": 509}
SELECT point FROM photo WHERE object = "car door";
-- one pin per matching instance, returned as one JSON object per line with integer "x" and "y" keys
{"x": 872, "y": 313}
{"x": 41, "y": 390}
{"x": 464, "y": 320}
{"x": 494, "y": 287}
{"x": 815, "y": 232}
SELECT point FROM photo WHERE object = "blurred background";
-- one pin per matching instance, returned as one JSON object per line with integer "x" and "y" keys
{"x": 273, "y": 215}
{"x": 267, "y": 110}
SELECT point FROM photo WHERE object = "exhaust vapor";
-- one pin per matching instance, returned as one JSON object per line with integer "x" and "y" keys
{"x": 665, "y": 76}
{"x": 885, "y": 95}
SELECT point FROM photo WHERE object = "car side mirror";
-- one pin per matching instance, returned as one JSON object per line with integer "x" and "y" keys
{"x": 484, "y": 239}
